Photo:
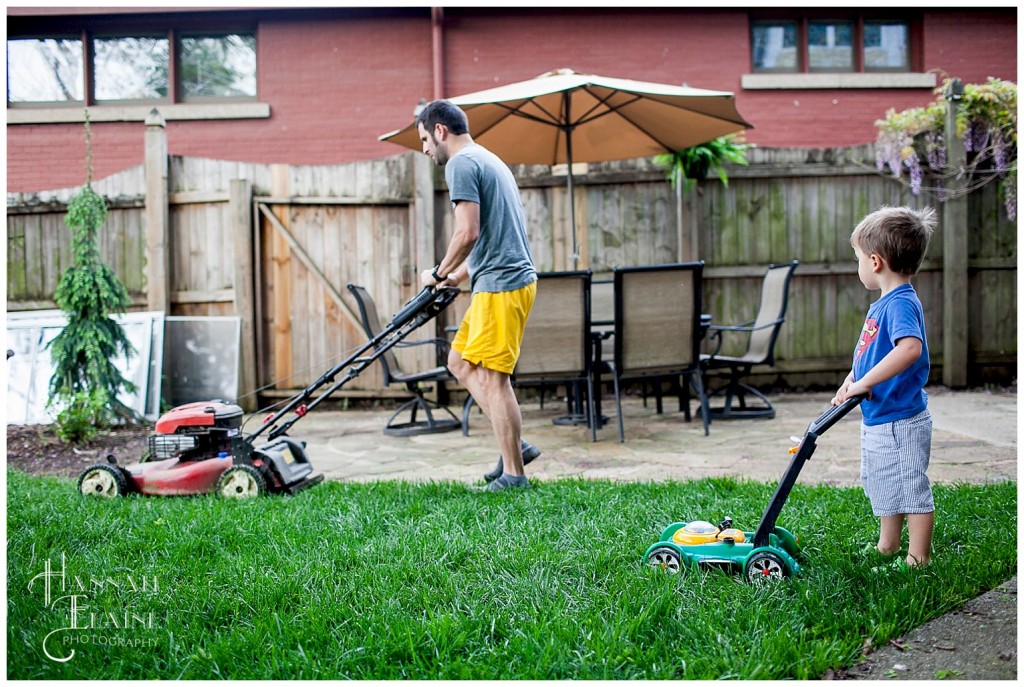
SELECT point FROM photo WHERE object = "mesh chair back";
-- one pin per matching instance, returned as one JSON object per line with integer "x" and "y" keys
{"x": 556, "y": 342}
{"x": 372, "y": 327}
{"x": 774, "y": 299}
{"x": 602, "y": 302}
{"x": 657, "y": 319}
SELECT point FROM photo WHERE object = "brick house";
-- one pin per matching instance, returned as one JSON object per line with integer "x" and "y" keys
{"x": 319, "y": 85}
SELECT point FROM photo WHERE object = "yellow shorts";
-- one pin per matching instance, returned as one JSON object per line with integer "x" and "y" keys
{"x": 492, "y": 329}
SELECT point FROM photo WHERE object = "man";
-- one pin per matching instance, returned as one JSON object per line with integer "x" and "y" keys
{"x": 488, "y": 245}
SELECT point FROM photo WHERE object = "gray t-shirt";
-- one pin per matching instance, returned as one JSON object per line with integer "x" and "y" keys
{"x": 500, "y": 260}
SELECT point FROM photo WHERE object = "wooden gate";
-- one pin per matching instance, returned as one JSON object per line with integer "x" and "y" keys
{"x": 308, "y": 249}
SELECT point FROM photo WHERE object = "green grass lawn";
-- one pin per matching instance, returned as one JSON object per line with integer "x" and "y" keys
{"x": 394, "y": 580}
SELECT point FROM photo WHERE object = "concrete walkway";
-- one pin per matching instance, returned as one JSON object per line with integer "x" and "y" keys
{"x": 974, "y": 441}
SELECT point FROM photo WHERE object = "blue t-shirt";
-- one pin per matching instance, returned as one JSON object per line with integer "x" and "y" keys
{"x": 500, "y": 259}
{"x": 896, "y": 315}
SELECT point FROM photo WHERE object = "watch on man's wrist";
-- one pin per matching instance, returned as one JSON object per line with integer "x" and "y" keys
{"x": 437, "y": 277}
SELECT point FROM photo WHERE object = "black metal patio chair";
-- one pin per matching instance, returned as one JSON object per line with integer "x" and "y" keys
{"x": 393, "y": 374}
{"x": 658, "y": 330}
{"x": 761, "y": 333}
{"x": 556, "y": 347}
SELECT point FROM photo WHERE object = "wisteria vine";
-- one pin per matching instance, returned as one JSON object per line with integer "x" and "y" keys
{"x": 913, "y": 141}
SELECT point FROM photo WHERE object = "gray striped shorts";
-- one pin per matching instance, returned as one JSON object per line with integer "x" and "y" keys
{"x": 893, "y": 460}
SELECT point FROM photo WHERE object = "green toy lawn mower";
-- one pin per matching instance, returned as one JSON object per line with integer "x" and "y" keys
{"x": 769, "y": 552}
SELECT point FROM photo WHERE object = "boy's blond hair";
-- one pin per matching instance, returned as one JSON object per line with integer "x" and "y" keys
{"x": 899, "y": 235}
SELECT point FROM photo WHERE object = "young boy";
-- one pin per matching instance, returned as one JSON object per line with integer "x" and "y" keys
{"x": 890, "y": 364}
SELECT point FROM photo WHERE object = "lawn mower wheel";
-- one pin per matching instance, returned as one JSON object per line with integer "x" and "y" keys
{"x": 764, "y": 566}
{"x": 666, "y": 558}
{"x": 103, "y": 480}
{"x": 241, "y": 482}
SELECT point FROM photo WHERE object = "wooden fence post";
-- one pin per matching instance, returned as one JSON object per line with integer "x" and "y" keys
{"x": 426, "y": 239}
{"x": 281, "y": 257}
{"x": 240, "y": 199}
{"x": 955, "y": 314}
{"x": 156, "y": 214}
{"x": 688, "y": 223}
{"x": 428, "y": 246}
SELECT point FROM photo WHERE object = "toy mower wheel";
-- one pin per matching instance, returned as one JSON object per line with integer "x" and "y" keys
{"x": 241, "y": 482}
{"x": 102, "y": 480}
{"x": 764, "y": 566}
{"x": 666, "y": 558}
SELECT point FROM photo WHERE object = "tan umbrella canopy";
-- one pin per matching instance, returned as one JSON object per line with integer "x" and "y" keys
{"x": 566, "y": 117}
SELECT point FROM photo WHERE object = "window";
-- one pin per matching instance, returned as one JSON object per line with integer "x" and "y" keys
{"x": 886, "y": 46}
{"x": 127, "y": 69}
{"x": 830, "y": 46}
{"x": 807, "y": 44}
{"x": 44, "y": 70}
{"x": 775, "y": 47}
{"x": 218, "y": 66}
{"x": 131, "y": 68}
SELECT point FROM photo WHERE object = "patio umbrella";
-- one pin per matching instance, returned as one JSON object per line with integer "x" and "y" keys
{"x": 566, "y": 117}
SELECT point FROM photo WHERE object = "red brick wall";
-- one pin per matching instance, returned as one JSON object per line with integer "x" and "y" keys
{"x": 705, "y": 49}
{"x": 972, "y": 45}
{"x": 335, "y": 86}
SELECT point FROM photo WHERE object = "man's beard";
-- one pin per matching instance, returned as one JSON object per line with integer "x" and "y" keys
{"x": 440, "y": 155}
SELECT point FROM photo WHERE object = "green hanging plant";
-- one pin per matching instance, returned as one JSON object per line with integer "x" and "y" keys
{"x": 913, "y": 141}
{"x": 85, "y": 382}
{"x": 695, "y": 163}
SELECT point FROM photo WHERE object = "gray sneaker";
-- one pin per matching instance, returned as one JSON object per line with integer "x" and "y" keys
{"x": 508, "y": 482}
{"x": 530, "y": 452}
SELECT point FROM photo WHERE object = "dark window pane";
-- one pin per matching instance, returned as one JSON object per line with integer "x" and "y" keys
{"x": 41, "y": 70}
{"x": 131, "y": 68}
{"x": 218, "y": 66}
{"x": 775, "y": 47}
{"x": 830, "y": 46}
{"x": 886, "y": 46}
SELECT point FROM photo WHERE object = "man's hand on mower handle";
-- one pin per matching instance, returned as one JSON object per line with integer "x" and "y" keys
{"x": 430, "y": 278}
{"x": 427, "y": 278}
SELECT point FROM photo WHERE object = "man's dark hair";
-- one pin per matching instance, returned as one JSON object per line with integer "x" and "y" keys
{"x": 443, "y": 112}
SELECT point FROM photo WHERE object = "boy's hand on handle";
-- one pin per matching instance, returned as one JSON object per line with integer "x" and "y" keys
{"x": 850, "y": 389}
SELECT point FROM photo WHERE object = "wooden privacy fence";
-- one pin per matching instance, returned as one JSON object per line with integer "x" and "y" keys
{"x": 276, "y": 246}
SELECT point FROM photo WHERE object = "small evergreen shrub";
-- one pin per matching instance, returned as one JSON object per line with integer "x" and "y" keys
{"x": 85, "y": 381}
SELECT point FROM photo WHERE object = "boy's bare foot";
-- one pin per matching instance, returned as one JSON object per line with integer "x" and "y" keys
{"x": 874, "y": 550}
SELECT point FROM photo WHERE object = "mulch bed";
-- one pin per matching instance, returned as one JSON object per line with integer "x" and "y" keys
{"x": 37, "y": 450}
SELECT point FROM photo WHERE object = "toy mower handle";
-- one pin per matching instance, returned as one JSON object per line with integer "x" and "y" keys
{"x": 834, "y": 414}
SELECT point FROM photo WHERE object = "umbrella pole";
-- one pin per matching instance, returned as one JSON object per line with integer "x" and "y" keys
{"x": 572, "y": 199}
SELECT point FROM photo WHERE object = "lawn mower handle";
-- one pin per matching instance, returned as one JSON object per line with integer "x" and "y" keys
{"x": 420, "y": 309}
{"x": 803, "y": 453}
{"x": 416, "y": 304}
{"x": 834, "y": 414}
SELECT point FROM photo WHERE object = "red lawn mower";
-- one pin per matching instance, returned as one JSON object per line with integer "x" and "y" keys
{"x": 199, "y": 448}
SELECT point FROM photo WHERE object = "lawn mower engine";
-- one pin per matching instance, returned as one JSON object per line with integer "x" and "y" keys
{"x": 198, "y": 449}
{"x": 196, "y": 431}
